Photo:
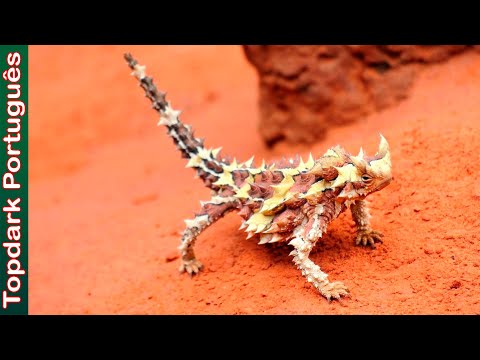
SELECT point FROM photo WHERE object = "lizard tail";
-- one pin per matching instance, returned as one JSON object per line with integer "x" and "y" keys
{"x": 207, "y": 162}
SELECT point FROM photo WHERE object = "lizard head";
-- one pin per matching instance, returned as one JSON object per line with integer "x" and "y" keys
{"x": 364, "y": 175}
{"x": 354, "y": 177}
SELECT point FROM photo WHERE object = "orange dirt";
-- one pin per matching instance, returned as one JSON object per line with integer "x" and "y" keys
{"x": 109, "y": 192}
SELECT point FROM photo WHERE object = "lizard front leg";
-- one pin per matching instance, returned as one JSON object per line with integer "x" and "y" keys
{"x": 306, "y": 236}
{"x": 361, "y": 216}
{"x": 210, "y": 212}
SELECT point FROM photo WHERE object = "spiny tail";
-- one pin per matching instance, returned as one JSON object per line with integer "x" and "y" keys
{"x": 206, "y": 162}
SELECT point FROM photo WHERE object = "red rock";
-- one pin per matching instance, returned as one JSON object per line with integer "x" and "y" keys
{"x": 304, "y": 90}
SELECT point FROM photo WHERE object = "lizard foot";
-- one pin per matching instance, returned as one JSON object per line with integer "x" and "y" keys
{"x": 334, "y": 290}
{"x": 368, "y": 237}
{"x": 192, "y": 266}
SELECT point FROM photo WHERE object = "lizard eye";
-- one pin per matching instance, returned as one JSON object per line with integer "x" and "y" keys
{"x": 366, "y": 178}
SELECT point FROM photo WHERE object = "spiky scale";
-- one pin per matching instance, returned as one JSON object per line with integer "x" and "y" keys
{"x": 194, "y": 161}
{"x": 242, "y": 193}
{"x": 315, "y": 189}
{"x": 309, "y": 164}
{"x": 216, "y": 151}
{"x": 249, "y": 162}
{"x": 265, "y": 238}
{"x": 276, "y": 238}
{"x": 301, "y": 165}
{"x": 260, "y": 228}
{"x": 204, "y": 153}
{"x": 272, "y": 229}
{"x": 360, "y": 153}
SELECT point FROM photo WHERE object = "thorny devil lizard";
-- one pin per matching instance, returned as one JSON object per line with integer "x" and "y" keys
{"x": 290, "y": 200}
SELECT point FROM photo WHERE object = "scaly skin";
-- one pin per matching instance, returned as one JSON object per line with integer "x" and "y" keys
{"x": 289, "y": 200}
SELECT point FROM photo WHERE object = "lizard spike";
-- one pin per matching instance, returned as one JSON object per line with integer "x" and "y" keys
{"x": 203, "y": 153}
{"x": 265, "y": 238}
{"x": 249, "y": 162}
{"x": 250, "y": 234}
{"x": 168, "y": 116}
{"x": 301, "y": 164}
{"x": 189, "y": 223}
{"x": 360, "y": 153}
{"x": 262, "y": 166}
{"x": 383, "y": 148}
{"x": 251, "y": 227}
{"x": 276, "y": 238}
{"x": 309, "y": 164}
{"x": 358, "y": 162}
{"x": 243, "y": 191}
{"x": 171, "y": 113}
{"x": 273, "y": 229}
{"x": 216, "y": 151}
{"x": 194, "y": 161}
{"x": 243, "y": 226}
{"x": 271, "y": 167}
{"x": 139, "y": 71}
{"x": 176, "y": 113}
{"x": 260, "y": 228}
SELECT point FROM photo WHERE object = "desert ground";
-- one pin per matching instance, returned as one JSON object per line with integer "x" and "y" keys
{"x": 109, "y": 192}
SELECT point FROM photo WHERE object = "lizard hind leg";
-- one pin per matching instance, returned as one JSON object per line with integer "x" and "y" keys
{"x": 313, "y": 273}
{"x": 210, "y": 212}
{"x": 306, "y": 235}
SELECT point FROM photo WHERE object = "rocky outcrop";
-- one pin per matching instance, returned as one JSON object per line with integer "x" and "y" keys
{"x": 304, "y": 90}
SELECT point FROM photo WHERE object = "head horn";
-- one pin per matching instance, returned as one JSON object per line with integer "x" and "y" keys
{"x": 383, "y": 148}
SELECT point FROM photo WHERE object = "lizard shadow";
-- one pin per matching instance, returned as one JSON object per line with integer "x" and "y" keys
{"x": 336, "y": 245}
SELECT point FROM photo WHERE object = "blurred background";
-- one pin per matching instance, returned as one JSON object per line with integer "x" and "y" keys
{"x": 83, "y": 97}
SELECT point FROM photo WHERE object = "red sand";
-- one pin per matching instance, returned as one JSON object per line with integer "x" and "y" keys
{"x": 109, "y": 192}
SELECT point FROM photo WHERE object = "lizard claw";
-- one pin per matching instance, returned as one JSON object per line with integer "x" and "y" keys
{"x": 192, "y": 267}
{"x": 369, "y": 237}
{"x": 334, "y": 290}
